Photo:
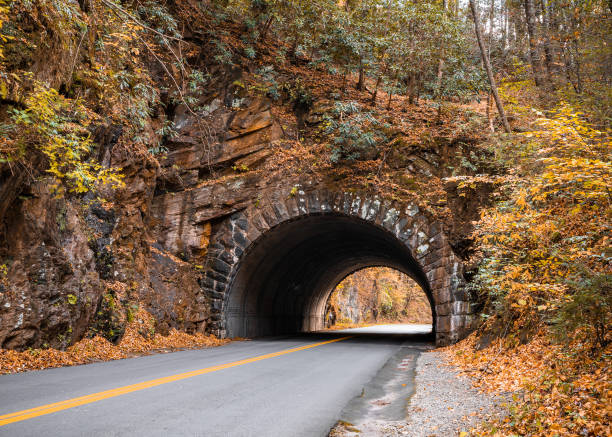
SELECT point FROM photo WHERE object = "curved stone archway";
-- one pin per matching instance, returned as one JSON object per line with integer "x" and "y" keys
{"x": 271, "y": 267}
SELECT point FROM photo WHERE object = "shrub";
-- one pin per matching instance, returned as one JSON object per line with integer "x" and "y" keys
{"x": 55, "y": 128}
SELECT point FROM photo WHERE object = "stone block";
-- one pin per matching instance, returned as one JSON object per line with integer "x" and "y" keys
{"x": 221, "y": 267}
{"x": 355, "y": 206}
{"x": 337, "y": 201}
{"x": 220, "y": 287}
{"x": 241, "y": 240}
{"x": 441, "y": 295}
{"x": 302, "y": 203}
{"x": 238, "y": 251}
{"x": 461, "y": 307}
{"x": 442, "y": 339}
{"x": 326, "y": 199}
{"x": 436, "y": 274}
{"x": 381, "y": 214}
{"x": 226, "y": 257}
{"x": 281, "y": 212}
{"x": 258, "y": 221}
{"x": 364, "y": 208}
{"x": 213, "y": 294}
{"x": 444, "y": 309}
{"x": 347, "y": 203}
{"x": 443, "y": 324}
{"x": 269, "y": 216}
{"x": 390, "y": 218}
{"x": 292, "y": 207}
{"x": 253, "y": 233}
{"x": 314, "y": 202}
{"x": 241, "y": 222}
{"x": 373, "y": 210}
{"x": 441, "y": 283}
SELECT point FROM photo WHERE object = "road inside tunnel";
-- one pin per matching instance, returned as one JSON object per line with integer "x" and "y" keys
{"x": 284, "y": 279}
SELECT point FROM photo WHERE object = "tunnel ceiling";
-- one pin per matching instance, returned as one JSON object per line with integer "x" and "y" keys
{"x": 272, "y": 267}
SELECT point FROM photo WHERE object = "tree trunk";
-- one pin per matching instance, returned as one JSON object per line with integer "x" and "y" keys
{"x": 567, "y": 63}
{"x": 534, "y": 56}
{"x": 490, "y": 112}
{"x": 439, "y": 78}
{"x": 361, "y": 82}
{"x": 412, "y": 85}
{"x": 577, "y": 67}
{"x": 491, "y": 18}
{"x": 375, "y": 306}
{"x": 504, "y": 24}
{"x": 375, "y": 93}
{"x": 440, "y": 65}
{"x": 266, "y": 27}
{"x": 483, "y": 54}
{"x": 548, "y": 50}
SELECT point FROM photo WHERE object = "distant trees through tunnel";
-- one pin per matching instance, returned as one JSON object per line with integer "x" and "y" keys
{"x": 377, "y": 295}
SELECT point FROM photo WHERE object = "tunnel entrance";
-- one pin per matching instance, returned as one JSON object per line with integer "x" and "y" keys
{"x": 271, "y": 266}
{"x": 283, "y": 282}
{"x": 377, "y": 295}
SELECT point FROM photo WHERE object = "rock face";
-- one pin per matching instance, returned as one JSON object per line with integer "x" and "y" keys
{"x": 349, "y": 309}
{"x": 187, "y": 238}
{"x": 377, "y": 295}
{"x": 51, "y": 289}
{"x": 70, "y": 268}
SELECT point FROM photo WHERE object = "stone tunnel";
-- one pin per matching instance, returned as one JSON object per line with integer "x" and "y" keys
{"x": 272, "y": 265}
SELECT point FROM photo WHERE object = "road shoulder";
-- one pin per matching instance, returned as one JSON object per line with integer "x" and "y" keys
{"x": 444, "y": 404}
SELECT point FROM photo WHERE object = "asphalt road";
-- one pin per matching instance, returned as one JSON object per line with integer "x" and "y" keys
{"x": 285, "y": 386}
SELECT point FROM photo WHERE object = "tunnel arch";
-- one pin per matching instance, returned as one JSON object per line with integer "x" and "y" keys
{"x": 271, "y": 267}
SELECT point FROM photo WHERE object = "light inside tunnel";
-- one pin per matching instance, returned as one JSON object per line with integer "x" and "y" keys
{"x": 285, "y": 278}
{"x": 377, "y": 295}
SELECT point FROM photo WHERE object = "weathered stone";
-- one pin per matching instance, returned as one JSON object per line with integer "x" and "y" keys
{"x": 241, "y": 240}
{"x": 444, "y": 309}
{"x": 443, "y": 324}
{"x": 451, "y": 308}
{"x": 314, "y": 203}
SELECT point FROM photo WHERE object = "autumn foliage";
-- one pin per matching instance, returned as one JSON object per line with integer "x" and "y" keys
{"x": 544, "y": 278}
{"x": 140, "y": 338}
{"x": 555, "y": 389}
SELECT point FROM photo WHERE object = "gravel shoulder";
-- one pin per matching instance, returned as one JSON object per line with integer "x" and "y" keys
{"x": 444, "y": 404}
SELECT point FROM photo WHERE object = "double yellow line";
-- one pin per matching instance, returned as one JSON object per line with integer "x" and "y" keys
{"x": 19, "y": 416}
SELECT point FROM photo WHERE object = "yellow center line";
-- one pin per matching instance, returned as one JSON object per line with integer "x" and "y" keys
{"x": 19, "y": 416}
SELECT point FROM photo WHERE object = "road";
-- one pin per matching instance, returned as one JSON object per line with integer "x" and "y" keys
{"x": 283, "y": 386}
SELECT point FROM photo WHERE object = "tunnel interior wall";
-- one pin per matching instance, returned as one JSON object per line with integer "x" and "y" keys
{"x": 285, "y": 278}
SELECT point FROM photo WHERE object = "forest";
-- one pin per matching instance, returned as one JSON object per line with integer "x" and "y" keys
{"x": 495, "y": 116}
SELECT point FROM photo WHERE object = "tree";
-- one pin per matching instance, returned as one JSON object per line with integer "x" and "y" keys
{"x": 534, "y": 54}
{"x": 487, "y": 64}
